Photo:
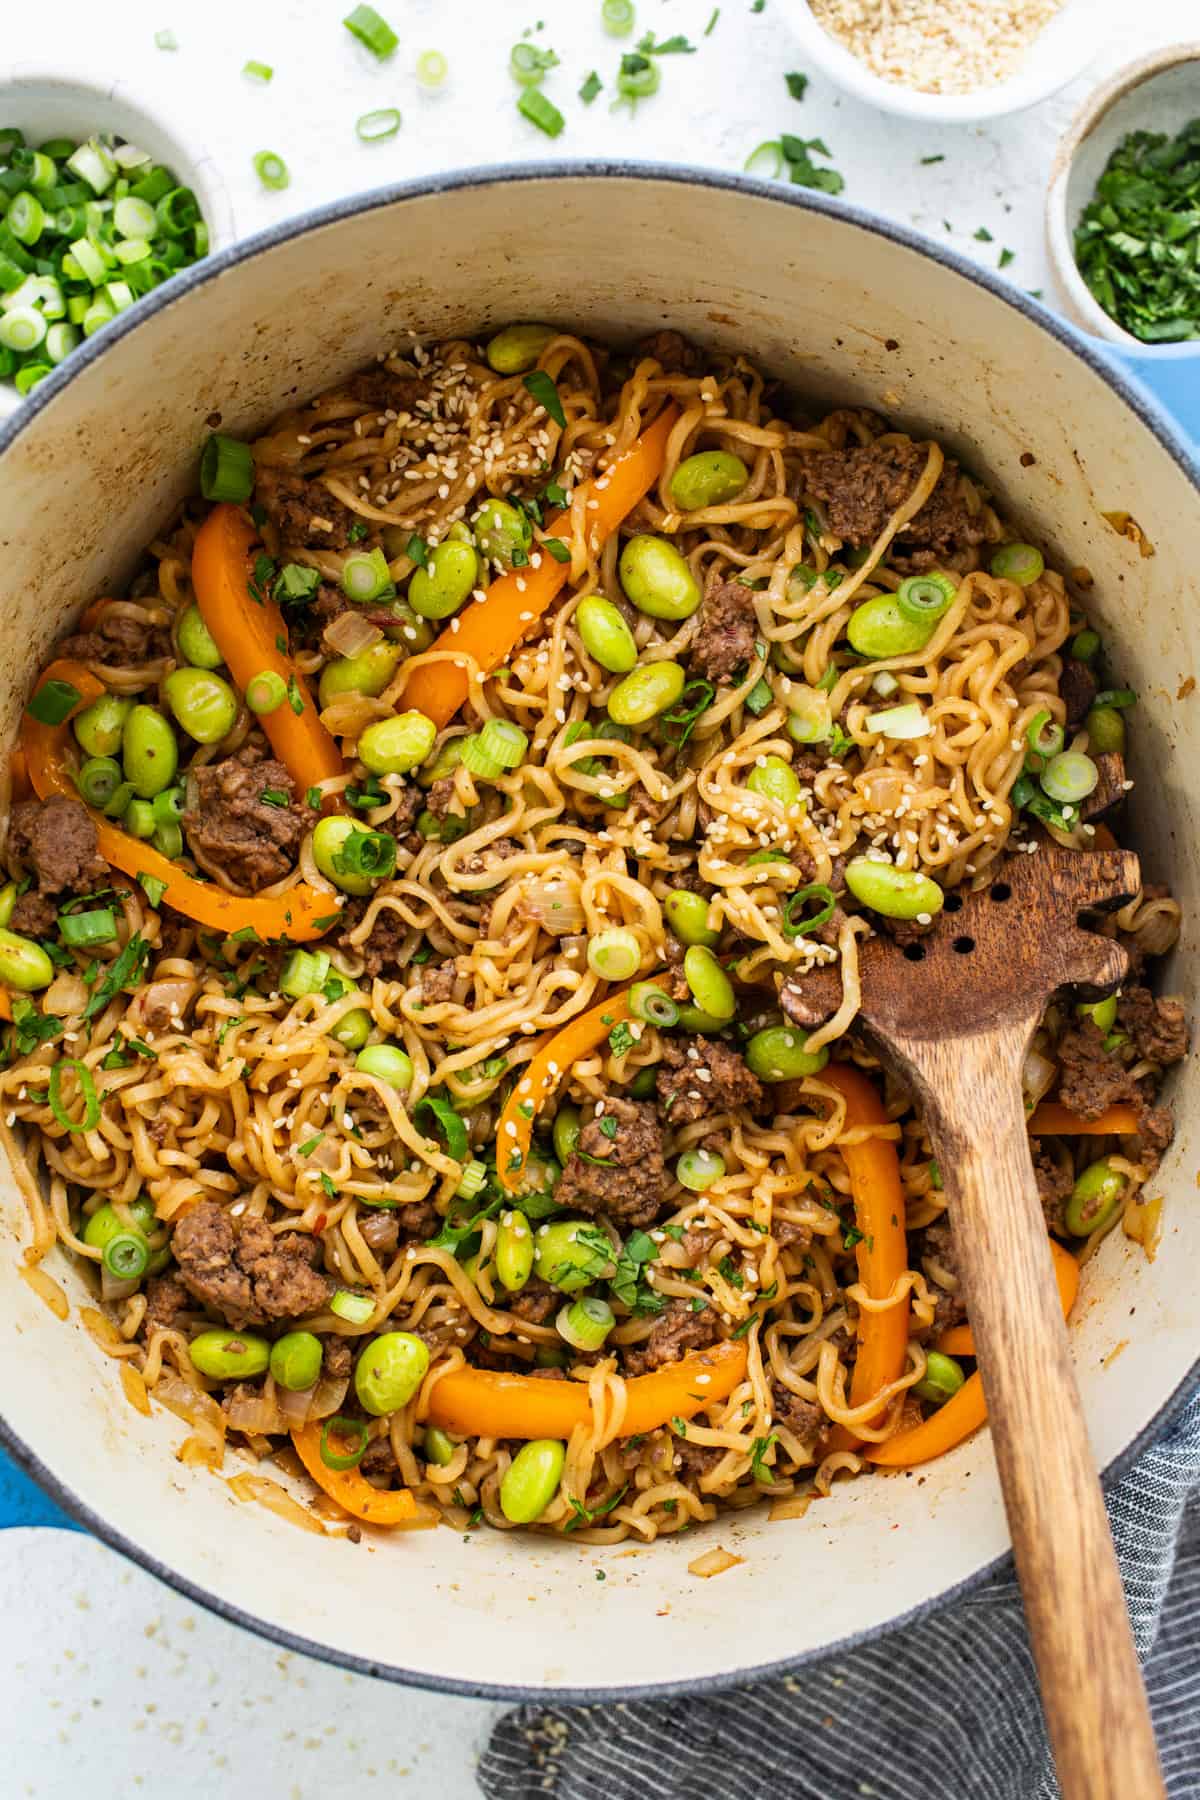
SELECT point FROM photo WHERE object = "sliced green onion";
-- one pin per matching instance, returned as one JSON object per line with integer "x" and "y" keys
{"x": 53, "y": 702}
{"x": 544, "y": 391}
{"x": 1043, "y": 736}
{"x": 527, "y": 64}
{"x": 1085, "y": 644}
{"x": 296, "y": 582}
{"x": 650, "y": 1003}
{"x": 135, "y": 218}
{"x": 133, "y": 250}
{"x": 266, "y": 692}
{"x": 350, "y": 1431}
{"x": 908, "y": 721}
{"x": 759, "y": 697}
{"x": 226, "y": 469}
{"x": 126, "y": 156}
{"x": 698, "y": 1169}
{"x": 541, "y": 112}
{"x": 885, "y": 684}
{"x": 29, "y": 374}
{"x": 472, "y": 1181}
{"x": 369, "y": 853}
{"x": 477, "y": 761}
{"x": 87, "y": 1087}
{"x": 26, "y": 218}
{"x": 22, "y": 329}
{"x": 374, "y": 127}
{"x": 617, "y": 17}
{"x": 1069, "y": 777}
{"x": 98, "y": 314}
{"x": 794, "y": 922}
{"x": 126, "y": 1256}
{"x": 94, "y": 163}
{"x": 61, "y": 339}
{"x": 166, "y": 40}
{"x": 366, "y": 576}
{"x": 38, "y": 168}
{"x": 92, "y": 265}
{"x": 271, "y": 170}
{"x": 614, "y": 954}
{"x": 356, "y": 1309}
{"x": 923, "y": 598}
{"x": 120, "y": 295}
{"x": 1118, "y": 697}
{"x": 1023, "y": 563}
{"x": 374, "y": 33}
{"x": 304, "y": 972}
{"x": 432, "y": 68}
{"x": 258, "y": 71}
{"x": 503, "y": 742}
{"x": 84, "y": 930}
{"x": 585, "y": 1323}
{"x": 639, "y": 77}
{"x": 99, "y": 779}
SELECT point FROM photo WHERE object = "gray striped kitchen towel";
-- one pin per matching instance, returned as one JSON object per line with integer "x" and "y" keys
{"x": 945, "y": 1709}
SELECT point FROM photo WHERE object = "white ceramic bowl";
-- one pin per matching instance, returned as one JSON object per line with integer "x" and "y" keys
{"x": 1058, "y": 54}
{"x": 846, "y": 310}
{"x": 48, "y": 103}
{"x": 1160, "y": 93}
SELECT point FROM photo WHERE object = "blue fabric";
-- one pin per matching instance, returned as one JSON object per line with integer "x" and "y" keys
{"x": 22, "y": 1501}
{"x": 951, "y": 1702}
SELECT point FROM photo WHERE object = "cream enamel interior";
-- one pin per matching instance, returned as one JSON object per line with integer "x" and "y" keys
{"x": 842, "y": 313}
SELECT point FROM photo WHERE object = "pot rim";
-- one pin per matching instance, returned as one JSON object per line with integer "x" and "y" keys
{"x": 1140, "y": 401}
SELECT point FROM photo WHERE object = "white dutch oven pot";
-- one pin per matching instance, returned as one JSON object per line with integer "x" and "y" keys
{"x": 845, "y": 309}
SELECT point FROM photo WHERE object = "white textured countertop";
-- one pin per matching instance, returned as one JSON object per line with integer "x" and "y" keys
{"x": 114, "y": 1686}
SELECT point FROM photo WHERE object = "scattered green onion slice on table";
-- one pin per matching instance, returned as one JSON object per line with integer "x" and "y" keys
{"x": 258, "y": 71}
{"x": 432, "y": 68}
{"x": 372, "y": 31}
{"x": 527, "y": 64}
{"x": 617, "y": 17}
{"x": 271, "y": 170}
{"x": 541, "y": 112}
{"x": 375, "y": 127}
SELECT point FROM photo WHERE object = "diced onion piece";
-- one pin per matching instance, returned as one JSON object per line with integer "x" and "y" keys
{"x": 908, "y": 721}
{"x": 350, "y": 634}
{"x": 1037, "y": 1077}
{"x": 254, "y": 1413}
{"x": 714, "y": 1562}
{"x": 554, "y": 903}
{"x": 268, "y": 1493}
{"x": 1144, "y": 1224}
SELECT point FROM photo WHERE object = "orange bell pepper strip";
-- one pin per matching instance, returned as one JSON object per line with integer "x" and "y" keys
{"x": 19, "y": 783}
{"x": 248, "y": 632}
{"x": 5, "y": 1004}
{"x": 354, "y": 1493}
{"x": 302, "y": 913}
{"x": 484, "y": 1403}
{"x": 882, "y": 1252}
{"x": 1051, "y": 1119}
{"x": 489, "y": 630}
{"x": 960, "y": 1339}
{"x": 554, "y": 1057}
{"x": 967, "y": 1410}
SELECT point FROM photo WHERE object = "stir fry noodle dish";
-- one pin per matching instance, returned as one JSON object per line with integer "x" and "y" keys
{"x": 414, "y": 884}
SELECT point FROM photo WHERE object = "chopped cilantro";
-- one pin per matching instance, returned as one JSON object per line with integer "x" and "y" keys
{"x": 628, "y": 1282}
{"x": 758, "y": 1451}
{"x": 933, "y": 159}
{"x": 672, "y": 46}
{"x": 1006, "y": 256}
{"x": 590, "y": 88}
{"x": 30, "y": 1027}
{"x": 310, "y": 1144}
{"x": 357, "y": 531}
{"x": 983, "y": 235}
{"x": 678, "y": 1426}
{"x": 620, "y": 1039}
{"x": 608, "y": 1125}
{"x": 708, "y": 29}
{"x": 274, "y": 797}
{"x": 313, "y": 798}
{"x": 327, "y": 1184}
{"x": 802, "y": 171}
{"x": 153, "y": 887}
{"x": 796, "y": 84}
{"x": 417, "y": 550}
{"x": 295, "y": 697}
{"x": 587, "y": 1515}
{"x": 124, "y": 971}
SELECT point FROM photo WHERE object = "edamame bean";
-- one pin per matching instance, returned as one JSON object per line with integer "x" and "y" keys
{"x": 99, "y": 726}
{"x": 606, "y": 636}
{"x": 709, "y": 478}
{"x": 352, "y": 1029}
{"x": 195, "y": 642}
{"x": 567, "y": 1126}
{"x": 778, "y": 1054}
{"x": 23, "y": 964}
{"x": 694, "y": 1018}
{"x": 687, "y": 915}
{"x": 645, "y": 693}
{"x": 396, "y": 745}
{"x": 896, "y": 893}
{"x": 517, "y": 348}
{"x": 296, "y": 1360}
{"x": 645, "y": 1083}
{"x": 774, "y": 780}
{"x": 570, "y": 1253}
{"x": 502, "y": 533}
{"x": 387, "y": 1062}
{"x": 203, "y": 703}
{"x": 657, "y": 579}
{"x": 1106, "y": 729}
{"x": 149, "y": 751}
{"x": 329, "y": 834}
{"x": 710, "y": 985}
{"x": 439, "y": 1446}
{"x": 8, "y": 899}
{"x": 367, "y": 673}
{"x": 439, "y": 589}
{"x": 229, "y": 1355}
{"x": 531, "y": 1480}
{"x": 942, "y": 1379}
{"x": 878, "y": 628}
{"x": 1099, "y": 1190}
{"x": 514, "y": 1251}
{"x": 389, "y": 1371}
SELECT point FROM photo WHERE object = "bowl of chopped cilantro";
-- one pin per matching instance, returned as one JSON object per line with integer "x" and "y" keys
{"x": 1123, "y": 209}
{"x": 102, "y": 199}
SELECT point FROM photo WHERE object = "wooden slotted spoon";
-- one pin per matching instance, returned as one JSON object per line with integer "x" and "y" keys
{"x": 953, "y": 1017}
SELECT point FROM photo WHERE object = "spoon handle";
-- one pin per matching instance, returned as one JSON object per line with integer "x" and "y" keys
{"x": 1095, "y": 1703}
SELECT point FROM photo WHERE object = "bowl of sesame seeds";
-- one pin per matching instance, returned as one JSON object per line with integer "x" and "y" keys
{"x": 952, "y": 60}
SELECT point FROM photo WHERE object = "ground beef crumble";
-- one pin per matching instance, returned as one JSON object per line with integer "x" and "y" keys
{"x": 803, "y": 1418}
{"x": 1158, "y": 1027}
{"x": 728, "y": 629}
{"x": 304, "y": 513}
{"x": 673, "y": 1334}
{"x": 118, "y": 641}
{"x": 861, "y": 486}
{"x": 247, "y": 1275}
{"x": 233, "y": 830}
{"x": 622, "y": 1175}
{"x": 951, "y": 1308}
{"x": 699, "y": 1076}
{"x": 55, "y": 840}
{"x": 1054, "y": 1186}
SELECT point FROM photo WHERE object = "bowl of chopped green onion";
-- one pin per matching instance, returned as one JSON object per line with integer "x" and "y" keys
{"x": 101, "y": 201}
{"x": 1123, "y": 208}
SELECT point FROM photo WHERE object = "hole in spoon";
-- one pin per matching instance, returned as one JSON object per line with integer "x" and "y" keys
{"x": 964, "y": 945}
{"x": 914, "y": 952}
{"x": 1002, "y": 891}
{"x": 952, "y": 903}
